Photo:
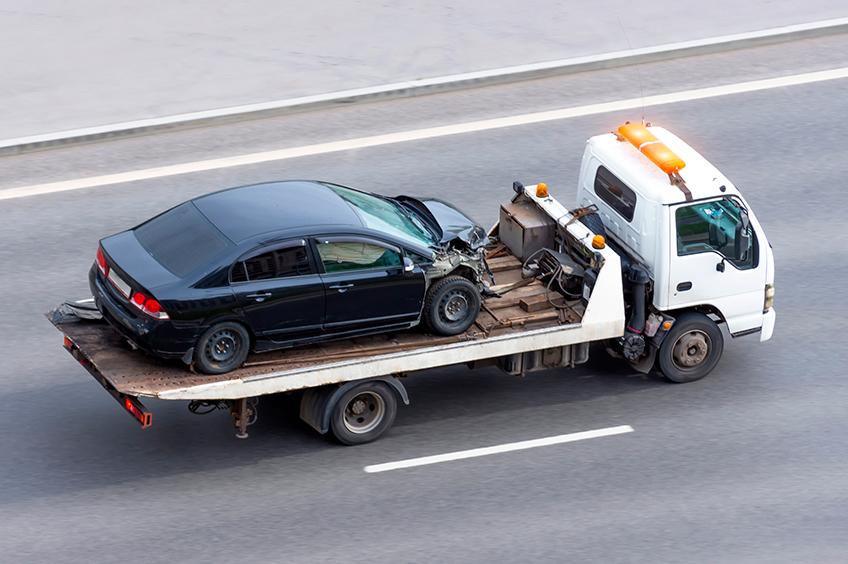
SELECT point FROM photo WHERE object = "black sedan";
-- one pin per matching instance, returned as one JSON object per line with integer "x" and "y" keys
{"x": 279, "y": 264}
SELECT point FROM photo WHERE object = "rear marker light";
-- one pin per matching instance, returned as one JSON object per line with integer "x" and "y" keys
{"x": 149, "y": 306}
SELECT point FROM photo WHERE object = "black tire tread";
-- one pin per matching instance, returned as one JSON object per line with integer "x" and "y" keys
{"x": 431, "y": 316}
{"x": 684, "y": 322}
{"x": 342, "y": 434}
{"x": 204, "y": 365}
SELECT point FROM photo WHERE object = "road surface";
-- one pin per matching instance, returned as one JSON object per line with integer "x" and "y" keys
{"x": 747, "y": 465}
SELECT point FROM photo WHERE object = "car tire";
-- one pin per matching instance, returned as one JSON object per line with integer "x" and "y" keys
{"x": 222, "y": 348}
{"x": 363, "y": 413}
{"x": 692, "y": 348}
{"x": 451, "y": 306}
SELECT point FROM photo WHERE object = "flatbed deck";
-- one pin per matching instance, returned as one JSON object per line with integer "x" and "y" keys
{"x": 134, "y": 373}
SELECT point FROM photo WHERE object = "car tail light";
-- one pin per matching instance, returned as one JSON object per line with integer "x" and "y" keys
{"x": 148, "y": 305}
{"x": 101, "y": 262}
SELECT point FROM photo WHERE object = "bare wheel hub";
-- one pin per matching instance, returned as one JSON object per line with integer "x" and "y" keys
{"x": 223, "y": 345}
{"x": 455, "y": 306}
{"x": 691, "y": 349}
{"x": 364, "y": 412}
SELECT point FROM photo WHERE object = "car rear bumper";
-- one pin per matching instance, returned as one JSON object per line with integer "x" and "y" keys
{"x": 157, "y": 337}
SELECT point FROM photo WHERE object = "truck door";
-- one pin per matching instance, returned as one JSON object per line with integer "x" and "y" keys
{"x": 715, "y": 259}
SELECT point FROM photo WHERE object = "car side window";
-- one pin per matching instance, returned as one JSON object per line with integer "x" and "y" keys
{"x": 615, "y": 193}
{"x": 711, "y": 226}
{"x": 341, "y": 256}
{"x": 279, "y": 263}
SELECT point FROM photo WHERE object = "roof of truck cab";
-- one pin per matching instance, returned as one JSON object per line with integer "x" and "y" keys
{"x": 648, "y": 180}
{"x": 247, "y": 211}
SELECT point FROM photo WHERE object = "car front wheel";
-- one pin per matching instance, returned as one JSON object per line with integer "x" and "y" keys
{"x": 222, "y": 348}
{"x": 451, "y": 306}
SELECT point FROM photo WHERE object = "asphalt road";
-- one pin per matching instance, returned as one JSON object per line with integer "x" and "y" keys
{"x": 79, "y": 64}
{"x": 748, "y": 465}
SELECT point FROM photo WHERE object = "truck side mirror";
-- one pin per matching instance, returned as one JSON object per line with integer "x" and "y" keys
{"x": 742, "y": 240}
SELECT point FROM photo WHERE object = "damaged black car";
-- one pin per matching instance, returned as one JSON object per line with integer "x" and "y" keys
{"x": 280, "y": 264}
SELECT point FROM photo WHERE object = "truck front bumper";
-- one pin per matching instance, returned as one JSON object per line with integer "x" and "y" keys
{"x": 768, "y": 325}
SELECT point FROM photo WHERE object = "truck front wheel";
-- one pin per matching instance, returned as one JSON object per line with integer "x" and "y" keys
{"x": 691, "y": 349}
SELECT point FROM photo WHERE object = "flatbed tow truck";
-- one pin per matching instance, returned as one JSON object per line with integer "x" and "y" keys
{"x": 647, "y": 233}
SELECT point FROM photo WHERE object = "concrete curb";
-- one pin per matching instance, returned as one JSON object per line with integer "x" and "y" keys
{"x": 429, "y": 85}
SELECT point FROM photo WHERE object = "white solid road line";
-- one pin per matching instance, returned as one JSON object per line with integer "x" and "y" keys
{"x": 498, "y": 449}
{"x": 420, "y": 134}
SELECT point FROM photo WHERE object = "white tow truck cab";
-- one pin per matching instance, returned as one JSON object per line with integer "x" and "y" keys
{"x": 667, "y": 208}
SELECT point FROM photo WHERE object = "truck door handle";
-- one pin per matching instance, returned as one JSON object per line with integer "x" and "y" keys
{"x": 259, "y": 297}
{"x": 683, "y": 286}
{"x": 341, "y": 287}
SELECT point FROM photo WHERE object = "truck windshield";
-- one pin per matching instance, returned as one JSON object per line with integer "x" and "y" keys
{"x": 383, "y": 215}
{"x": 711, "y": 226}
{"x": 181, "y": 239}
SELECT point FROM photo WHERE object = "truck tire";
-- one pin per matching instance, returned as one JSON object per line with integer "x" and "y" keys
{"x": 222, "y": 348}
{"x": 451, "y": 306}
{"x": 363, "y": 413}
{"x": 692, "y": 348}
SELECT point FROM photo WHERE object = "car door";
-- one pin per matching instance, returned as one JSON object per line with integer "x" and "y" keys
{"x": 366, "y": 284}
{"x": 702, "y": 269}
{"x": 279, "y": 290}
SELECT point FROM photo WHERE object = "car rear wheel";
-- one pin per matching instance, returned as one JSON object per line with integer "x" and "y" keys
{"x": 222, "y": 348}
{"x": 452, "y": 305}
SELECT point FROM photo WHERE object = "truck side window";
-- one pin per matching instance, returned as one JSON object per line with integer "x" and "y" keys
{"x": 615, "y": 193}
{"x": 711, "y": 226}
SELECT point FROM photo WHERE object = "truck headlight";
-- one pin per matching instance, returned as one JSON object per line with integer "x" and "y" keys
{"x": 769, "y": 300}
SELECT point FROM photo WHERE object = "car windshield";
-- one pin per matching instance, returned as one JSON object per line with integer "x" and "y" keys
{"x": 384, "y": 215}
{"x": 181, "y": 239}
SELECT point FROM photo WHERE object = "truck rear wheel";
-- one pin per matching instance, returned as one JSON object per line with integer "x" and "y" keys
{"x": 363, "y": 413}
{"x": 692, "y": 348}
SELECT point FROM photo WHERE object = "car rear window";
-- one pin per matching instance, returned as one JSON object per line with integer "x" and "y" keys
{"x": 182, "y": 239}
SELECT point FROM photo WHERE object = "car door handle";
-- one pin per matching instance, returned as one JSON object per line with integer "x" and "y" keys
{"x": 683, "y": 286}
{"x": 341, "y": 287}
{"x": 261, "y": 295}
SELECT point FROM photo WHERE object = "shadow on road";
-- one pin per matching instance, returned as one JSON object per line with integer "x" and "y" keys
{"x": 78, "y": 439}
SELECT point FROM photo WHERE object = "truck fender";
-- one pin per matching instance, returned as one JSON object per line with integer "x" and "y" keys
{"x": 317, "y": 404}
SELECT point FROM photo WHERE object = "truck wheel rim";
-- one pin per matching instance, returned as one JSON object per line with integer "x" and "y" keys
{"x": 223, "y": 346}
{"x": 691, "y": 349}
{"x": 364, "y": 412}
{"x": 455, "y": 306}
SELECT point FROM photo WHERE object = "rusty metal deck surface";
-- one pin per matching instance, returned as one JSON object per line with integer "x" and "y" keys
{"x": 136, "y": 373}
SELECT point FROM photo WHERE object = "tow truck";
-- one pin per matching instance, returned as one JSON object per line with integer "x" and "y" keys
{"x": 660, "y": 252}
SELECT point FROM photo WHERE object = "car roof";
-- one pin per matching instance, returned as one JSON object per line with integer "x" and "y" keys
{"x": 249, "y": 211}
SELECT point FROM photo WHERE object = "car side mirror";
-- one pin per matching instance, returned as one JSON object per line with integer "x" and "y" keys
{"x": 408, "y": 265}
